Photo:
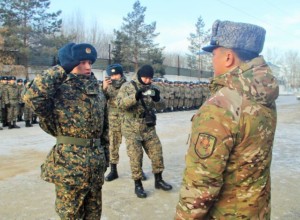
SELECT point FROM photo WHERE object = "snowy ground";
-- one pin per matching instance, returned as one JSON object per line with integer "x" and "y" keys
{"x": 24, "y": 196}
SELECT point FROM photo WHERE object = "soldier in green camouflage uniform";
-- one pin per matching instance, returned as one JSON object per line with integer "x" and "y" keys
{"x": 3, "y": 108}
{"x": 12, "y": 97}
{"x": 27, "y": 110}
{"x": 227, "y": 173}
{"x": 71, "y": 107}
{"x": 21, "y": 104}
{"x": 139, "y": 127}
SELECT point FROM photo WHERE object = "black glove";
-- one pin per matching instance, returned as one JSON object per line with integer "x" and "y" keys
{"x": 21, "y": 104}
{"x": 156, "y": 97}
{"x": 68, "y": 67}
{"x": 139, "y": 93}
{"x": 7, "y": 105}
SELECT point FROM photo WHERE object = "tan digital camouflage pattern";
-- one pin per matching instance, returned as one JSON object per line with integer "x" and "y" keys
{"x": 115, "y": 118}
{"x": 227, "y": 174}
{"x": 73, "y": 106}
{"x": 11, "y": 95}
{"x": 137, "y": 134}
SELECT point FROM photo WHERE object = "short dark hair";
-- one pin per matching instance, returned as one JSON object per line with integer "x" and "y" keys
{"x": 245, "y": 55}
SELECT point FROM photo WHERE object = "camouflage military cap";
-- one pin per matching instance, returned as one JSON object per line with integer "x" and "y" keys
{"x": 236, "y": 35}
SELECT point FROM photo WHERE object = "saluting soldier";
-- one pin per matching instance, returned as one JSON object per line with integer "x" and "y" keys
{"x": 71, "y": 107}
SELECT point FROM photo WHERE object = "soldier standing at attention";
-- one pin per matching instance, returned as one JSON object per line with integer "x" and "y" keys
{"x": 11, "y": 100}
{"x": 27, "y": 110}
{"x": 21, "y": 104}
{"x": 136, "y": 99}
{"x": 227, "y": 174}
{"x": 70, "y": 106}
{"x": 111, "y": 87}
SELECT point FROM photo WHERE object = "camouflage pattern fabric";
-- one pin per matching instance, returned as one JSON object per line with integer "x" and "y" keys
{"x": 227, "y": 174}
{"x": 72, "y": 106}
{"x": 11, "y": 95}
{"x": 114, "y": 120}
{"x": 137, "y": 134}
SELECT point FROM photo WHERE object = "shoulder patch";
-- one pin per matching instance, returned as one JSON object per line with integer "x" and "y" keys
{"x": 205, "y": 145}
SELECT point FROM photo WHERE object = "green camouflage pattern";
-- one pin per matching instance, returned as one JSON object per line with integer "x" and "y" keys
{"x": 137, "y": 134}
{"x": 115, "y": 118}
{"x": 227, "y": 174}
{"x": 73, "y": 106}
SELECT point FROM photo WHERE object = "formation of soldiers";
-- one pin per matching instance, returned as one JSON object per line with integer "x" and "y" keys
{"x": 182, "y": 95}
{"x": 13, "y": 109}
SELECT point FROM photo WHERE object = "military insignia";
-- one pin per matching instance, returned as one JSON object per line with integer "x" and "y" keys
{"x": 113, "y": 70}
{"x": 88, "y": 50}
{"x": 205, "y": 145}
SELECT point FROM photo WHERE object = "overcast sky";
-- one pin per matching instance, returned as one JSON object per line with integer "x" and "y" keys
{"x": 176, "y": 19}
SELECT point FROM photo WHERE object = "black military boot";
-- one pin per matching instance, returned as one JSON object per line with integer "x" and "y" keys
{"x": 113, "y": 173}
{"x": 15, "y": 125}
{"x": 144, "y": 177}
{"x": 27, "y": 123}
{"x": 139, "y": 190}
{"x": 9, "y": 125}
{"x": 34, "y": 120}
{"x": 160, "y": 183}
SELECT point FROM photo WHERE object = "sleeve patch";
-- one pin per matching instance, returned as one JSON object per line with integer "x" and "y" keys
{"x": 205, "y": 145}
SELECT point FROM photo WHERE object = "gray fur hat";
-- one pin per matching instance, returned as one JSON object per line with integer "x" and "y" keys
{"x": 236, "y": 35}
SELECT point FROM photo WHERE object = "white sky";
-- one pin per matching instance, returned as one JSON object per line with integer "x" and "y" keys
{"x": 176, "y": 19}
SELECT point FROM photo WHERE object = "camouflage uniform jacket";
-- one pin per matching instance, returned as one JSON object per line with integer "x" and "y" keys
{"x": 11, "y": 94}
{"x": 227, "y": 174}
{"x": 114, "y": 113}
{"x": 69, "y": 105}
{"x": 134, "y": 122}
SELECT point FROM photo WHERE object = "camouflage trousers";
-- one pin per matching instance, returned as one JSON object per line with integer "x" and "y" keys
{"x": 176, "y": 102}
{"x": 115, "y": 140}
{"x": 20, "y": 110}
{"x": 27, "y": 113}
{"x": 12, "y": 113}
{"x": 153, "y": 148}
{"x": 74, "y": 203}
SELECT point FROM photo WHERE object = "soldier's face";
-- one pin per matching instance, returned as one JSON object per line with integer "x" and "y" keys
{"x": 219, "y": 60}
{"x": 85, "y": 67}
{"x": 146, "y": 80}
{"x": 116, "y": 76}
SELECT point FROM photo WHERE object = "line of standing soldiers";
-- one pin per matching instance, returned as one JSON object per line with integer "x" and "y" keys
{"x": 11, "y": 103}
{"x": 182, "y": 95}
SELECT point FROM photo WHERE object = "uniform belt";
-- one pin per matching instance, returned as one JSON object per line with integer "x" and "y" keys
{"x": 133, "y": 115}
{"x": 78, "y": 141}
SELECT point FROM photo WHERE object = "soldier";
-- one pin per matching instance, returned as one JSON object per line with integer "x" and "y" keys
{"x": 27, "y": 110}
{"x": 3, "y": 108}
{"x": 21, "y": 104}
{"x": 71, "y": 107}
{"x": 12, "y": 98}
{"x": 227, "y": 173}
{"x": 111, "y": 87}
{"x": 137, "y": 99}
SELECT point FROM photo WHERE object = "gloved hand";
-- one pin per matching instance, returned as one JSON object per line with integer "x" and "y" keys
{"x": 139, "y": 93}
{"x": 156, "y": 97}
{"x": 7, "y": 105}
{"x": 68, "y": 67}
{"x": 21, "y": 104}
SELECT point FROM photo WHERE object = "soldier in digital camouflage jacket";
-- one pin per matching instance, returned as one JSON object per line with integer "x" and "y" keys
{"x": 71, "y": 108}
{"x": 138, "y": 133}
